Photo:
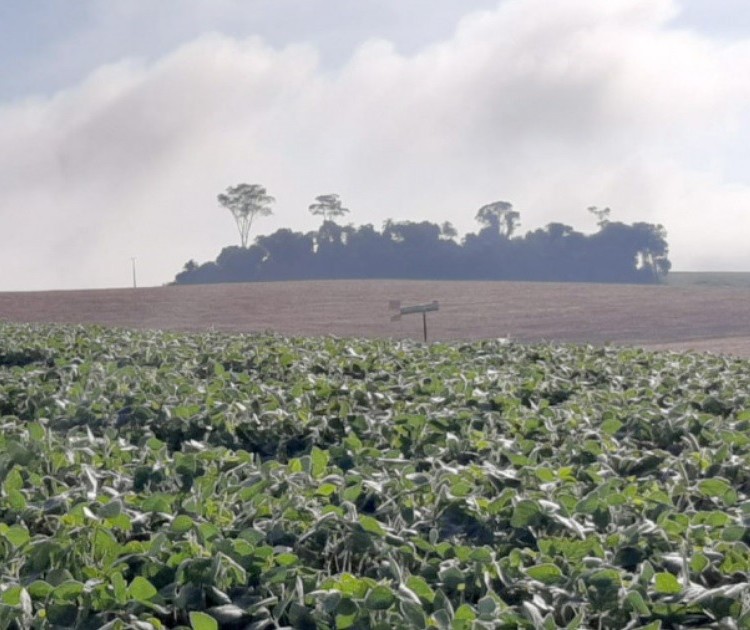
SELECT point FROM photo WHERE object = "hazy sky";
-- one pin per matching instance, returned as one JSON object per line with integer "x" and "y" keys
{"x": 121, "y": 120}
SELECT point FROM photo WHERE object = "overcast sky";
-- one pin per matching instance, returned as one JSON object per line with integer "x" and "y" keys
{"x": 121, "y": 120}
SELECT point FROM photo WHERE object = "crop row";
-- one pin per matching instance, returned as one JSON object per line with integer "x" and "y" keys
{"x": 158, "y": 480}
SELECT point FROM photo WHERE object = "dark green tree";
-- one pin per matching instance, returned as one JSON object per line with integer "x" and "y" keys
{"x": 601, "y": 214}
{"x": 245, "y": 202}
{"x": 328, "y": 206}
{"x": 500, "y": 216}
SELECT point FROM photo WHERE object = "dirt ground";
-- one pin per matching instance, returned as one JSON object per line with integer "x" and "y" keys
{"x": 700, "y": 318}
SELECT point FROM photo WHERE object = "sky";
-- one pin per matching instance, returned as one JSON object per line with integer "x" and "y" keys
{"x": 122, "y": 120}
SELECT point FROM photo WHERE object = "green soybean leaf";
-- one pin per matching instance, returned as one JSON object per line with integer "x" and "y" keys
{"x": 36, "y": 431}
{"x": 68, "y": 590}
{"x": 113, "y": 509}
{"x": 119, "y": 587}
{"x": 414, "y": 613}
{"x": 141, "y": 589}
{"x": 486, "y": 606}
{"x": 12, "y": 596}
{"x": 39, "y": 589}
{"x": 526, "y": 513}
{"x": 319, "y": 462}
{"x": 17, "y": 535}
{"x": 346, "y": 613}
{"x": 17, "y": 500}
{"x": 202, "y": 621}
{"x": 635, "y": 599}
{"x": 715, "y": 487}
{"x": 461, "y": 489}
{"x": 465, "y": 613}
{"x": 546, "y": 573}
{"x": 611, "y": 426}
{"x": 666, "y": 584}
{"x": 286, "y": 559}
{"x": 371, "y": 525}
{"x": 380, "y": 598}
{"x": 181, "y": 524}
{"x": 421, "y": 588}
{"x": 14, "y": 480}
{"x": 452, "y": 577}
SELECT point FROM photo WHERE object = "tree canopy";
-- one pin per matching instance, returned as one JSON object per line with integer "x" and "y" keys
{"x": 616, "y": 252}
{"x": 245, "y": 202}
{"x": 500, "y": 217}
{"x": 328, "y": 206}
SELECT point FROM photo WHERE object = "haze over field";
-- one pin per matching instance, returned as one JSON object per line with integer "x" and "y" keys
{"x": 122, "y": 120}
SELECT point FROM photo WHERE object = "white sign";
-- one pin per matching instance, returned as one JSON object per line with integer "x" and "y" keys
{"x": 395, "y": 305}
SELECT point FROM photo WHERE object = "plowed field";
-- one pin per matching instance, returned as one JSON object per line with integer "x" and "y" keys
{"x": 701, "y": 318}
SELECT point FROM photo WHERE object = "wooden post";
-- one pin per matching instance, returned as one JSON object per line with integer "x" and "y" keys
{"x": 395, "y": 305}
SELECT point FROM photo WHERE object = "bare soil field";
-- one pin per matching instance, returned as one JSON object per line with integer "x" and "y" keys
{"x": 715, "y": 319}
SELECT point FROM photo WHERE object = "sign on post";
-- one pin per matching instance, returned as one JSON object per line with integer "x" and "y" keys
{"x": 395, "y": 305}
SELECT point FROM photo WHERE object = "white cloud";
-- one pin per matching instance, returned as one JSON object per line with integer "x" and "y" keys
{"x": 553, "y": 106}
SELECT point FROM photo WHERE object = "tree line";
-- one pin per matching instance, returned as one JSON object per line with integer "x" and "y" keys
{"x": 616, "y": 252}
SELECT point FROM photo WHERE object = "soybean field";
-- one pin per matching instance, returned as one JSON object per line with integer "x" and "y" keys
{"x": 164, "y": 480}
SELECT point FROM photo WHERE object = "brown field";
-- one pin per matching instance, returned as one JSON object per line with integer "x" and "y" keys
{"x": 700, "y": 318}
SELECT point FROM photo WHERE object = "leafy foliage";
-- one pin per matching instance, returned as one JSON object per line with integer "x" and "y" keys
{"x": 245, "y": 202}
{"x": 328, "y": 206}
{"x": 617, "y": 252}
{"x": 156, "y": 480}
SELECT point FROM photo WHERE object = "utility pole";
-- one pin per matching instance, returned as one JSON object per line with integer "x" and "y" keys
{"x": 135, "y": 285}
